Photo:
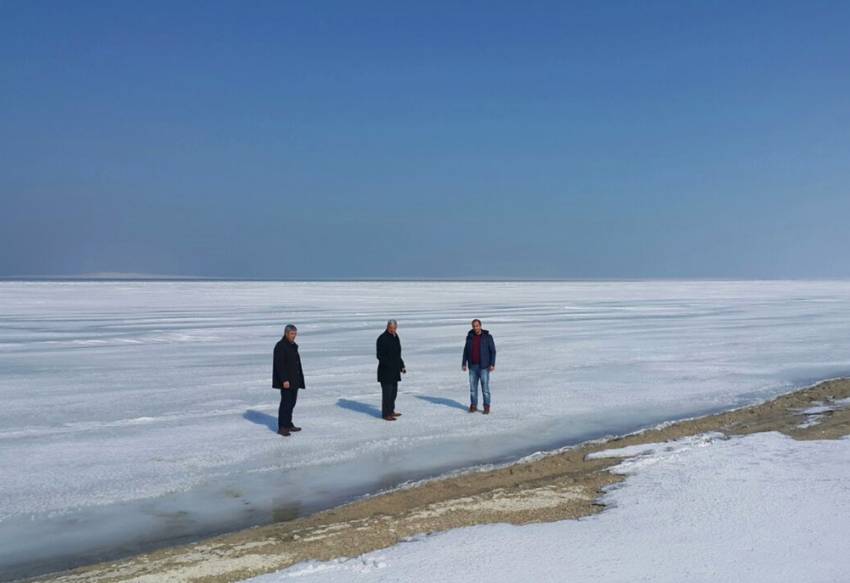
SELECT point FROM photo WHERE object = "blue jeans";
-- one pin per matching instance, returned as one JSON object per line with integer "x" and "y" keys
{"x": 477, "y": 373}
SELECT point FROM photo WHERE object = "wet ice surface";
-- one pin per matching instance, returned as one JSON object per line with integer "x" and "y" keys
{"x": 137, "y": 413}
{"x": 755, "y": 509}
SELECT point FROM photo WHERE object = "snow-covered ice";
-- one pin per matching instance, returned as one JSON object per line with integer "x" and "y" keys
{"x": 141, "y": 412}
{"x": 757, "y": 509}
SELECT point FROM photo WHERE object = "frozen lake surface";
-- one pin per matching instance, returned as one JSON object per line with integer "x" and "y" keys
{"x": 140, "y": 413}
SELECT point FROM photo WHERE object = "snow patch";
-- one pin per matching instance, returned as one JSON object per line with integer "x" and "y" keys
{"x": 816, "y": 414}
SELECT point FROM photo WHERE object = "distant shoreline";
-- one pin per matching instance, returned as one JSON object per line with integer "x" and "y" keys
{"x": 203, "y": 279}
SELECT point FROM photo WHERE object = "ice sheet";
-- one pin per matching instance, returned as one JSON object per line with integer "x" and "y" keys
{"x": 141, "y": 412}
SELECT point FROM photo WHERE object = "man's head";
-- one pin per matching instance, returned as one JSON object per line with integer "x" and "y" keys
{"x": 290, "y": 332}
{"x": 392, "y": 326}
{"x": 476, "y": 326}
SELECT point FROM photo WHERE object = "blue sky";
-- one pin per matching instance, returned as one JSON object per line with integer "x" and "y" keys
{"x": 427, "y": 139}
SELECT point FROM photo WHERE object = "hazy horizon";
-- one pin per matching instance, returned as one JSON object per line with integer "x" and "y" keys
{"x": 153, "y": 277}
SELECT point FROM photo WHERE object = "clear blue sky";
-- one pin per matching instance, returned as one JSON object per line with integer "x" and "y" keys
{"x": 522, "y": 139}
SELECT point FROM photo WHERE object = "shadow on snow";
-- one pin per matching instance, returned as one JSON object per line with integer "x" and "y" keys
{"x": 443, "y": 401}
{"x": 359, "y": 407}
{"x": 261, "y": 418}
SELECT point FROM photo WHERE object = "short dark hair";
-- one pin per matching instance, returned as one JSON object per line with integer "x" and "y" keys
{"x": 476, "y": 320}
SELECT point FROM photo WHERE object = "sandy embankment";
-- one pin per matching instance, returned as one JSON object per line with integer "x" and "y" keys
{"x": 554, "y": 487}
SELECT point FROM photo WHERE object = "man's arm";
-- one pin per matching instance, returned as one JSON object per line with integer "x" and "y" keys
{"x": 465, "y": 354}
{"x": 492, "y": 351}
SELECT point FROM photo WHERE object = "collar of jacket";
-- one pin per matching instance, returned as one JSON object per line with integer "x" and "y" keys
{"x": 483, "y": 332}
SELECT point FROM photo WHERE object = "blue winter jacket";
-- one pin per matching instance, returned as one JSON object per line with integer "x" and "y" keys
{"x": 488, "y": 349}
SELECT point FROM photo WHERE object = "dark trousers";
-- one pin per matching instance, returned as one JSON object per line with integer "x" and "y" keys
{"x": 389, "y": 391}
{"x": 287, "y": 404}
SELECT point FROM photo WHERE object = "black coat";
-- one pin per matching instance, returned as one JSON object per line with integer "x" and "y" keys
{"x": 390, "y": 363}
{"x": 287, "y": 365}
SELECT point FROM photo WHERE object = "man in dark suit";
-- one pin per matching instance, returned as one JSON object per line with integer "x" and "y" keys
{"x": 288, "y": 376}
{"x": 390, "y": 368}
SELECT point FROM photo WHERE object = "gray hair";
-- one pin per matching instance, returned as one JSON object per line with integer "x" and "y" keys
{"x": 288, "y": 328}
{"x": 391, "y": 323}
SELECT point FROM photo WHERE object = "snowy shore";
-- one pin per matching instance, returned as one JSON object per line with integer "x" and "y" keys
{"x": 707, "y": 487}
{"x": 757, "y": 509}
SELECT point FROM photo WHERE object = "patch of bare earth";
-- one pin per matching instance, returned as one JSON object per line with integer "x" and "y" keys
{"x": 563, "y": 485}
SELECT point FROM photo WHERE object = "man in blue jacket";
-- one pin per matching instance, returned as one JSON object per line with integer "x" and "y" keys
{"x": 479, "y": 356}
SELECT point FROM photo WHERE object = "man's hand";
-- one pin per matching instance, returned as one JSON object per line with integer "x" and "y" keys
{"x": 464, "y": 368}
{"x": 404, "y": 371}
{"x": 285, "y": 384}
{"x": 492, "y": 368}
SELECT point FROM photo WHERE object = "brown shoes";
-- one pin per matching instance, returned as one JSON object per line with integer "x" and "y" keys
{"x": 473, "y": 408}
{"x": 390, "y": 418}
{"x": 283, "y": 432}
{"x": 486, "y": 409}
{"x": 396, "y": 414}
{"x": 293, "y": 428}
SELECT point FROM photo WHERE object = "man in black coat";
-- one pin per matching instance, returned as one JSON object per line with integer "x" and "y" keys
{"x": 390, "y": 368}
{"x": 288, "y": 376}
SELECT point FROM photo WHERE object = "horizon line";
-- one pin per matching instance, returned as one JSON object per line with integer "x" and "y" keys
{"x": 138, "y": 277}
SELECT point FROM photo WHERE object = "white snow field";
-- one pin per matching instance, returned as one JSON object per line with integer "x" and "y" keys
{"x": 757, "y": 509}
{"x": 141, "y": 413}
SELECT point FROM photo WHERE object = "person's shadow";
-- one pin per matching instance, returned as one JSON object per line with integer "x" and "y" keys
{"x": 261, "y": 418}
{"x": 359, "y": 407}
{"x": 443, "y": 401}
